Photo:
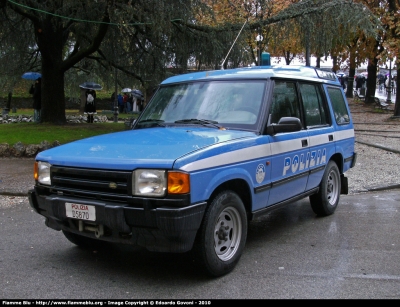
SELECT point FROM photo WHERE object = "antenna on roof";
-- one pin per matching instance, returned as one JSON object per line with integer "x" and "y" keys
{"x": 222, "y": 65}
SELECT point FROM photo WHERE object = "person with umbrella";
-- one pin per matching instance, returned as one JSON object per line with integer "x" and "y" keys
{"x": 90, "y": 104}
{"x": 381, "y": 82}
{"x": 125, "y": 100}
{"x": 138, "y": 96}
{"x": 90, "y": 98}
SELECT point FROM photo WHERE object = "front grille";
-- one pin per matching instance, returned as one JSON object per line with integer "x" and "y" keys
{"x": 103, "y": 184}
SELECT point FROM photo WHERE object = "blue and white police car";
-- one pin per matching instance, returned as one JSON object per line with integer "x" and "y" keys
{"x": 211, "y": 151}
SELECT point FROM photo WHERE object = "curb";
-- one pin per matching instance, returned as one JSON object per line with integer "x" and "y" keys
{"x": 379, "y": 146}
{"x": 14, "y": 194}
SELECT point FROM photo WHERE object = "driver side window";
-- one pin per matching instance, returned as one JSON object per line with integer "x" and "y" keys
{"x": 284, "y": 102}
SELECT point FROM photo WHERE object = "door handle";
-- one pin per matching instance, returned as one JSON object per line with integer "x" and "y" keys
{"x": 304, "y": 143}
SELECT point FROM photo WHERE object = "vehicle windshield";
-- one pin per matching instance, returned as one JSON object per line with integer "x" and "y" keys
{"x": 214, "y": 104}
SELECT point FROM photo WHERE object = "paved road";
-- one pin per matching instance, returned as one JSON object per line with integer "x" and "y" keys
{"x": 16, "y": 176}
{"x": 290, "y": 254}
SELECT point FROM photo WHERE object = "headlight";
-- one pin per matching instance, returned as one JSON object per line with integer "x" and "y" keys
{"x": 148, "y": 182}
{"x": 42, "y": 172}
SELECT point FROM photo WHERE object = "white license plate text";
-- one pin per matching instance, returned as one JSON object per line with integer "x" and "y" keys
{"x": 80, "y": 211}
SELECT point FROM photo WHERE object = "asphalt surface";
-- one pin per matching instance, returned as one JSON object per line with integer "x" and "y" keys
{"x": 290, "y": 254}
{"x": 16, "y": 176}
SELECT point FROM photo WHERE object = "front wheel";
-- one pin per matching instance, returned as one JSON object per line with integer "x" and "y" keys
{"x": 325, "y": 202}
{"x": 222, "y": 235}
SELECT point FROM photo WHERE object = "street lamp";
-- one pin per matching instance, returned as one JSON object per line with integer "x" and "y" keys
{"x": 259, "y": 39}
{"x": 116, "y": 87}
{"x": 116, "y": 98}
{"x": 389, "y": 88}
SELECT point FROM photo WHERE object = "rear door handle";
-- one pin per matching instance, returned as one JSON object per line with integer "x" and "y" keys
{"x": 304, "y": 143}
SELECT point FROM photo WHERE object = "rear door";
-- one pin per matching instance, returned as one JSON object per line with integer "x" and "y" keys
{"x": 320, "y": 130}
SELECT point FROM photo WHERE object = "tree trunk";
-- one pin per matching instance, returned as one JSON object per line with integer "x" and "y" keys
{"x": 318, "y": 62}
{"x": 371, "y": 80}
{"x": 8, "y": 106}
{"x": 335, "y": 66}
{"x": 50, "y": 41}
{"x": 308, "y": 52}
{"x": 53, "y": 99}
{"x": 352, "y": 71}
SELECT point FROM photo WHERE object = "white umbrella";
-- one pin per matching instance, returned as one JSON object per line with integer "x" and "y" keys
{"x": 126, "y": 90}
{"x": 91, "y": 86}
{"x": 137, "y": 94}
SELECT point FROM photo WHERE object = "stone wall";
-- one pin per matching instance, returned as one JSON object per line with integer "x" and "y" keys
{"x": 99, "y": 118}
{"x": 70, "y": 103}
{"x": 20, "y": 150}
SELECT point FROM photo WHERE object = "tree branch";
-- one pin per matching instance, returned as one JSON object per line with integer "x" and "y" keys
{"x": 94, "y": 46}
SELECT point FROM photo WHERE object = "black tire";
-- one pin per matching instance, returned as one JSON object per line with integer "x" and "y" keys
{"x": 325, "y": 202}
{"x": 222, "y": 235}
{"x": 82, "y": 241}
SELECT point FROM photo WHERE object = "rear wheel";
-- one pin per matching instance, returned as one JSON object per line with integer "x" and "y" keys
{"x": 222, "y": 235}
{"x": 326, "y": 200}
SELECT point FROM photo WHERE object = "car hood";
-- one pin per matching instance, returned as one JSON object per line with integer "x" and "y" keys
{"x": 152, "y": 147}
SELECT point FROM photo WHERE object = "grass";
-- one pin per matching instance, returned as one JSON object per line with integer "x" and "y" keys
{"x": 32, "y": 133}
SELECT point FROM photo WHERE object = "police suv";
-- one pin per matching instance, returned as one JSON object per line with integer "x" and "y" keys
{"x": 211, "y": 151}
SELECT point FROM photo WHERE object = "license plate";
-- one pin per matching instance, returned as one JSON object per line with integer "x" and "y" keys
{"x": 81, "y": 212}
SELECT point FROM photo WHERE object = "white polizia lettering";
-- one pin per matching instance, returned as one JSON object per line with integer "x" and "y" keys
{"x": 297, "y": 163}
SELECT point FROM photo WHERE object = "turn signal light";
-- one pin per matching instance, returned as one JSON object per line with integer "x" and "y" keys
{"x": 178, "y": 183}
{"x": 36, "y": 171}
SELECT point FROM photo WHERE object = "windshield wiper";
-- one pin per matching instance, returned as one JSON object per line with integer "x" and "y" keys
{"x": 152, "y": 122}
{"x": 203, "y": 122}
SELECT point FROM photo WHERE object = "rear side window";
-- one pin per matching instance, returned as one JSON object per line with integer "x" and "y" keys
{"x": 314, "y": 107}
{"x": 338, "y": 105}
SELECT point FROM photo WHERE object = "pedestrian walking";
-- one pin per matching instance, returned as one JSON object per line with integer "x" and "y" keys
{"x": 90, "y": 105}
{"x": 130, "y": 103}
{"x": 125, "y": 100}
{"x": 37, "y": 100}
{"x": 381, "y": 82}
{"x": 120, "y": 103}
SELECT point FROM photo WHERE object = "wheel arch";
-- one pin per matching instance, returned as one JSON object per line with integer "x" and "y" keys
{"x": 338, "y": 159}
{"x": 240, "y": 187}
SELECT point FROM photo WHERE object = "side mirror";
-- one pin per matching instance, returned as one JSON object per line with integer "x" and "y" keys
{"x": 285, "y": 124}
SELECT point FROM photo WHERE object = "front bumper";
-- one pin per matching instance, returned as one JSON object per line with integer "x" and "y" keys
{"x": 161, "y": 229}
